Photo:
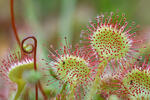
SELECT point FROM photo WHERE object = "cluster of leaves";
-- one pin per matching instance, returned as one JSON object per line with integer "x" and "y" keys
{"x": 102, "y": 65}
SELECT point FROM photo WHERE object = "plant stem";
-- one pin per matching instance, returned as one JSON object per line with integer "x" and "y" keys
{"x": 35, "y": 68}
{"x": 31, "y": 15}
{"x": 13, "y": 22}
{"x": 97, "y": 80}
{"x": 71, "y": 96}
{"x": 26, "y": 94}
{"x": 42, "y": 91}
{"x": 34, "y": 50}
{"x": 20, "y": 87}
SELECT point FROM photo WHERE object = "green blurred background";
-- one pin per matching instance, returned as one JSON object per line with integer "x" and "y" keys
{"x": 51, "y": 20}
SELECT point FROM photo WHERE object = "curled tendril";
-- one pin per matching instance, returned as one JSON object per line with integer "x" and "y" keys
{"x": 34, "y": 48}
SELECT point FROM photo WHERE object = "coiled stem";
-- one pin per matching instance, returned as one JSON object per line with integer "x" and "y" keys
{"x": 34, "y": 50}
{"x": 23, "y": 50}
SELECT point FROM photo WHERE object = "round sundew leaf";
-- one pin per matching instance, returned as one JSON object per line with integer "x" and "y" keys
{"x": 137, "y": 83}
{"x": 73, "y": 69}
{"x": 109, "y": 42}
{"x": 111, "y": 37}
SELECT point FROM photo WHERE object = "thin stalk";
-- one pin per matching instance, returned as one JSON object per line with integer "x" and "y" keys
{"x": 26, "y": 94}
{"x": 42, "y": 91}
{"x": 36, "y": 92}
{"x": 21, "y": 85}
{"x": 32, "y": 14}
{"x": 13, "y": 22}
{"x": 33, "y": 20}
{"x": 95, "y": 84}
{"x": 34, "y": 51}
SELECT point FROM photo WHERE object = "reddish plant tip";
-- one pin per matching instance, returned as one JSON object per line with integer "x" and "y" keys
{"x": 111, "y": 37}
{"x": 13, "y": 22}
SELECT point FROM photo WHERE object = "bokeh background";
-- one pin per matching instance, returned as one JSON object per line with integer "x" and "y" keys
{"x": 52, "y": 20}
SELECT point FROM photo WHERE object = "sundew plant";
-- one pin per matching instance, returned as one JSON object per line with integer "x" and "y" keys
{"x": 109, "y": 62}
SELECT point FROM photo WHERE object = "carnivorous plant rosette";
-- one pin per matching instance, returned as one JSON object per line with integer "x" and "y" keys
{"x": 75, "y": 67}
{"x": 111, "y": 37}
{"x": 132, "y": 82}
{"x": 12, "y": 69}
